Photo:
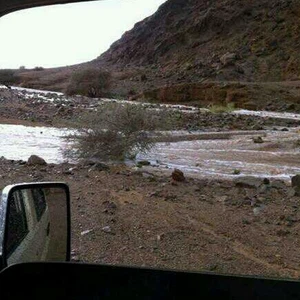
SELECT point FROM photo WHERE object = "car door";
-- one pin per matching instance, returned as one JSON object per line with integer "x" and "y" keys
{"x": 28, "y": 221}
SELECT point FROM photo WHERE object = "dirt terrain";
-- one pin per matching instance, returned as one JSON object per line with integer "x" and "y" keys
{"x": 142, "y": 217}
{"x": 132, "y": 217}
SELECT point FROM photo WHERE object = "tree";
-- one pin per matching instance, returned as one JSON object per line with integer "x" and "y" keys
{"x": 8, "y": 77}
{"x": 90, "y": 82}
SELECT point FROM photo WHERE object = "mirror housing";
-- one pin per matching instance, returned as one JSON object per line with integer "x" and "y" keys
{"x": 35, "y": 223}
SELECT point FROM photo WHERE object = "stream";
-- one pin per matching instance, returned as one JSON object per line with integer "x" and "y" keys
{"x": 277, "y": 157}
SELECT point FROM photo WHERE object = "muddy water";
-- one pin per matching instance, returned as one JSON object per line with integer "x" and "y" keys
{"x": 19, "y": 142}
{"x": 278, "y": 156}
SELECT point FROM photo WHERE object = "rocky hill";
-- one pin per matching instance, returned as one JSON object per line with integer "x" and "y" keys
{"x": 188, "y": 42}
{"x": 249, "y": 40}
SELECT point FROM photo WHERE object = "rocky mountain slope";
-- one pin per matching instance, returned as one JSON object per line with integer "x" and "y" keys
{"x": 249, "y": 40}
{"x": 188, "y": 42}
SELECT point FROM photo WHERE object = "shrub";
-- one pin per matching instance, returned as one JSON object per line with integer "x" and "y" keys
{"x": 114, "y": 132}
{"x": 89, "y": 82}
{"x": 236, "y": 172}
{"x": 8, "y": 77}
{"x": 221, "y": 108}
{"x": 39, "y": 69}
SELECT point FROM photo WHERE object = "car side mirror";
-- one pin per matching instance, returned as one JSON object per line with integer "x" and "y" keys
{"x": 34, "y": 223}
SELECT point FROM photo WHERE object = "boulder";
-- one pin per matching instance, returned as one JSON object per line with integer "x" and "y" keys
{"x": 296, "y": 184}
{"x": 178, "y": 175}
{"x": 296, "y": 181}
{"x": 36, "y": 160}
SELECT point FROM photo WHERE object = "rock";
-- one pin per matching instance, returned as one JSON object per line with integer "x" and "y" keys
{"x": 147, "y": 175}
{"x": 36, "y": 160}
{"x": 296, "y": 180}
{"x": 75, "y": 258}
{"x": 257, "y": 210}
{"x": 110, "y": 207}
{"x": 178, "y": 175}
{"x": 278, "y": 184}
{"x": 228, "y": 59}
{"x": 296, "y": 184}
{"x": 99, "y": 167}
{"x": 86, "y": 231}
{"x": 143, "y": 163}
{"x": 248, "y": 182}
{"x": 154, "y": 194}
{"x": 258, "y": 140}
{"x": 107, "y": 229}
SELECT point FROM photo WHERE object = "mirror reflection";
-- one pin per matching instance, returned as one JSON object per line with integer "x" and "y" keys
{"x": 37, "y": 225}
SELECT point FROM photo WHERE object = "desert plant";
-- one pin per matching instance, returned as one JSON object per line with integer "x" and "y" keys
{"x": 89, "y": 82}
{"x": 114, "y": 132}
{"x": 236, "y": 172}
{"x": 39, "y": 69}
{"x": 8, "y": 77}
{"x": 229, "y": 107}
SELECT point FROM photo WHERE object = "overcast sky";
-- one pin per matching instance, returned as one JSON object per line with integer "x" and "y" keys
{"x": 63, "y": 35}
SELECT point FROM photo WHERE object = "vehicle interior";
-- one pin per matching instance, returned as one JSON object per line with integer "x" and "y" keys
{"x": 51, "y": 275}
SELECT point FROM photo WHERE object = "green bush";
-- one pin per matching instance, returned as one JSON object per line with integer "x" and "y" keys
{"x": 222, "y": 108}
{"x": 89, "y": 82}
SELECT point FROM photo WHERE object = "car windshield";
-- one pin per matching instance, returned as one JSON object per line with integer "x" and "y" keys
{"x": 175, "y": 124}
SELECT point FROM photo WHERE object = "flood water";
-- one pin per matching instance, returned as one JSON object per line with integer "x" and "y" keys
{"x": 278, "y": 156}
{"x": 18, "y": 142}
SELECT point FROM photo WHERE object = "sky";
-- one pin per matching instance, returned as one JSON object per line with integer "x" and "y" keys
{"x": 62, "y": 35}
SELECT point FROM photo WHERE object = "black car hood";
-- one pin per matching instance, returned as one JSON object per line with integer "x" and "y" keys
{"x": 7, "y": 6}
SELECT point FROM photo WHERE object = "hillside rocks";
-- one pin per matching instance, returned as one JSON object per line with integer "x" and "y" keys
{"x": 197, "y": 35}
